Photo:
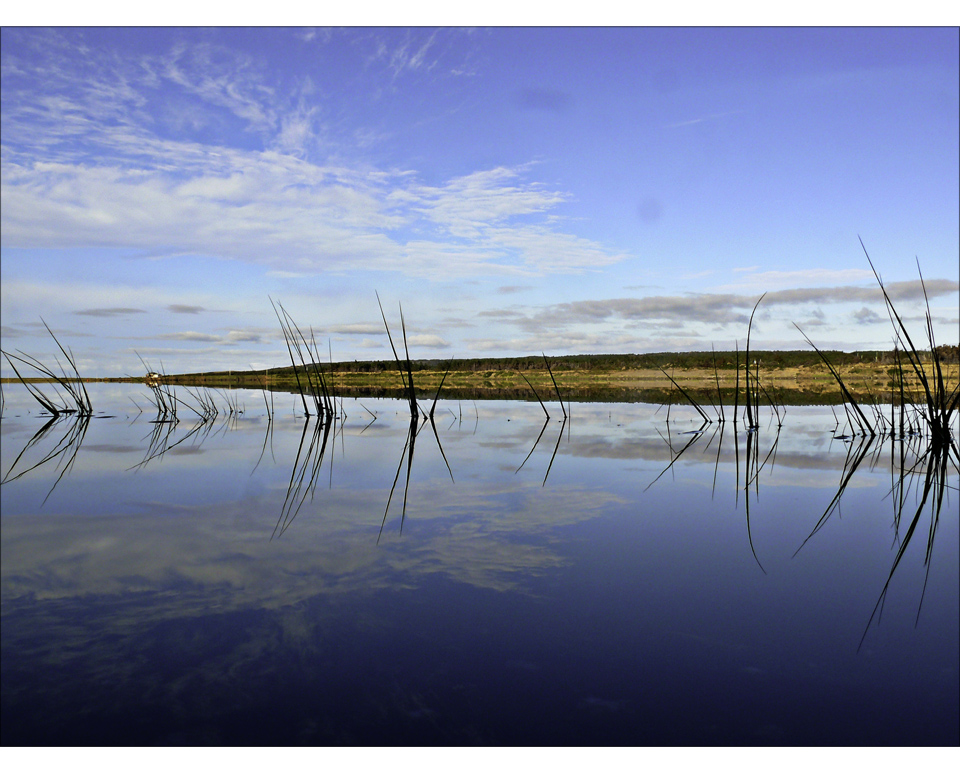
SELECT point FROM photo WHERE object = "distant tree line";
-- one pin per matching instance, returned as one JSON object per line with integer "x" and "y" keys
{"x": 949, "y": 353}
{"x": 768, "y": 359}
{"x": 611, "y": 362}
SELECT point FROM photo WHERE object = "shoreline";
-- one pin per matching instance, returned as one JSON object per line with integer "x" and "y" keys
{"x": 868, "y": 381}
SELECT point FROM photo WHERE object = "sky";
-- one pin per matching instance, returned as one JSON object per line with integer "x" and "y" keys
{"x": 517, "y": 190}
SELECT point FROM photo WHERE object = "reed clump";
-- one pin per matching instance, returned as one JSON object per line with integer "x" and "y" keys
{"x": 404, "y": 366}
{"x": 931, "y": 406}
{"x": 76, "y": 400}
{"x": 308, "y": 374}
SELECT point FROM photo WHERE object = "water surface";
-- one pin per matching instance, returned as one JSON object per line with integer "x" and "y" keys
{"x": 605, "y": 580}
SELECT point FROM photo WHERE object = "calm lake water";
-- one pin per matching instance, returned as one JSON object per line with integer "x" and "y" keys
{"x": 244, "y": 582}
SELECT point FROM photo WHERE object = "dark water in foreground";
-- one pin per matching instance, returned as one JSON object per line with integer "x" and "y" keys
{"x": 171, "y": 589}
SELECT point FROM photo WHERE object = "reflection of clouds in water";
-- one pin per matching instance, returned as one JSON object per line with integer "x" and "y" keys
{"x": 703, "y": 451}
{"x": 206, "y": 586}
{"x": 205, "y": 542}
{"x": 487, "y": 530}
{"x": 488, "y": 538}
{"x": 110, "y": 448}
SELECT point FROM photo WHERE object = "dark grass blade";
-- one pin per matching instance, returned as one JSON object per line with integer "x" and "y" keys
{"x": 286, "y": 338}
{"x": 534, "y": 394}
{"x": 414, "y": 409}
{"x": 716, "y": 374}
{"x": 736, "y": 389}
{"x": 36, "y": 393}
{"x": 752, "y": 420}
{"x": 706, "y": 419}
{"x": 436, "y": 397}
{"x": 84, "y": 404}
{"x": 559, "y": 399}
{"x": 939, "y": 404}
{"x": 848, "y": 397}
{"x": 403, "y": 376}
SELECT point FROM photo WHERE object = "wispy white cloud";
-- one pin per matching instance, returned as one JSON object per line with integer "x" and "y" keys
{"x": 359, "y": 328}
{"x": 224, "y": 78}
{"x": 754, "y": 279}
{"x": 703, "y": 119}
{"x": 272, "y": 206}
{"x": 230, "y": 338}
{"x": 467, "y": 205}
{"x": 190, "y": 335}
{"x": 410, "y": 54}
{"x": 429, "y": 341}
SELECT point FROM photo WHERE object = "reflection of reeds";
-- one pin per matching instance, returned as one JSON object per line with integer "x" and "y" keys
{"x": 911, "y": 458}
{"x": 553, "y": 456}
{"x": 162, "y": 439}
{"x": 267, "y": 405}
{"x": 65, "y": 451}
{"x": 675, "y": 455}
{"x": 267, "y": 436}
{"x": 543, "y": 429}
{"x": 934, "y": 464}
{"x": 303, "y": 476}
{"x": 752, "y": 478}
{"x": 753, "y": 466}
{"x": 406, "y": 454}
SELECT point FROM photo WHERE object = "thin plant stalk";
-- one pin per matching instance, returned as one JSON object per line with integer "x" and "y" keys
{"x": 559, "y": 399}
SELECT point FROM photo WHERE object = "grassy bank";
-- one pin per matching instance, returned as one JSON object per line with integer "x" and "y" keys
{"x": 795, "y": 377}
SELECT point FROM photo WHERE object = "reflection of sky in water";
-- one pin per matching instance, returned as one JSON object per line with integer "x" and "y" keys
{"x": 604, "y": 605}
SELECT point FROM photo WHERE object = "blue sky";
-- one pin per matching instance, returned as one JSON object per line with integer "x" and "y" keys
{"x": 518, "y": 190}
